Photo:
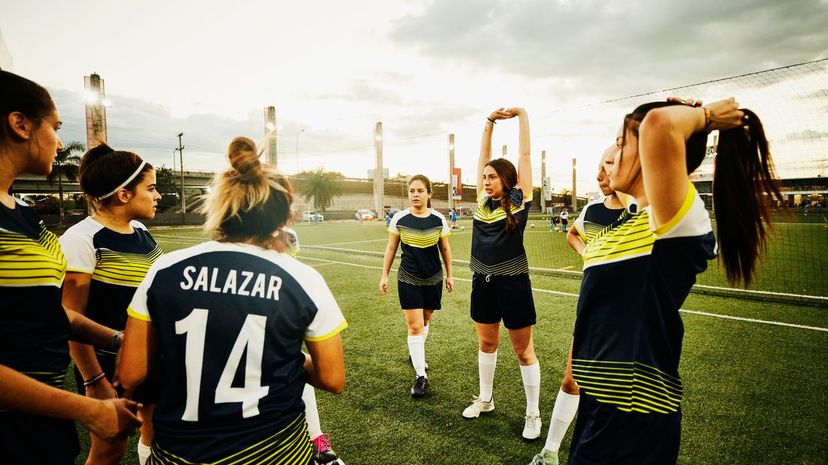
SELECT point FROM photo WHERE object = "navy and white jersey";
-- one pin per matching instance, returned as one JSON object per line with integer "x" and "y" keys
{"x": 419, "y": 236}
{"x": 594, "y": 217}
{"x": 495, "y": 249}
{"x": 628, "y": 332}
{"x": 291, "y": 241}
{"x": 230, "y": 321}
{"x": 34, "y": 329}
{"x": 116, "y": 261}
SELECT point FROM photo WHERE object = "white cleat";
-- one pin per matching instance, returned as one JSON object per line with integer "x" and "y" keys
{"x": 532, "y": 427}
{"x": 477, "y": 407}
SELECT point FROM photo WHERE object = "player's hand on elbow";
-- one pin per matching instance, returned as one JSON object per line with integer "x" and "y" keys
{"x": 692, "y": 102}
{"x": 115, "y": 419}
{"x": 516, "y": 111}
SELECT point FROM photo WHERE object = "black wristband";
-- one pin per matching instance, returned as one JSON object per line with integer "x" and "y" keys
{"x": 491, "y": 120}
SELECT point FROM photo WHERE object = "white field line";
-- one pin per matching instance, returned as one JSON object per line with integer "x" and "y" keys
{"x": 178, "y": 240}
{"x": 571, "y": 294}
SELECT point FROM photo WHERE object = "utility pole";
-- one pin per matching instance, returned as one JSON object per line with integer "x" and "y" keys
{"x": 181, "y": 165}
{"x": 503, "y": 154}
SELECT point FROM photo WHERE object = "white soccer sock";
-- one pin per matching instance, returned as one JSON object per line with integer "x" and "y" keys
{"x": 531, "y": 386}
{"x": 566, "y": 406}
{"x": 416, "y": 349}
{"x": 486, "y": 364}
{"x": 425, "y": 333}
{"x": 144, "y": 451}
{"x": 311, "y": 412}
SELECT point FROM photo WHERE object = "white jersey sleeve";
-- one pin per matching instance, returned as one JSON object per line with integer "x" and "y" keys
{"x": 78, "y": 248}
{"x": 329, "y": 320}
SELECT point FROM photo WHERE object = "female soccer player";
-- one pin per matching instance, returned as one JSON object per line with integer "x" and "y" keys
{"x": 424, "y": 233}
{"x": 203, "y": 310}
{"x": 36, "y": 414}
{"x": 637, "y": 274}
{"x": 501, "y": 289}
{"x": 595, "y": 216}
{"x": 108, "y": 254}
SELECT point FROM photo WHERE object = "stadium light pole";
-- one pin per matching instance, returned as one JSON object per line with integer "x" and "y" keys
{"x": 378, "y": 178}
{"x": 574, "y": 188}
{"x": 503, "y": 154}
{"x": 543, "y": 181}
{"x": 451, "y": 172}
{"x": 298, "y": 133}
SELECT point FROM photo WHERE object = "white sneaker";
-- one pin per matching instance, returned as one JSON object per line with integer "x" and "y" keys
{"x": 477, "y": 407}
{"x": 532, "y": 427}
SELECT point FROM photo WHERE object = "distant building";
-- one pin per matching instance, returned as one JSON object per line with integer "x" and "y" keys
{"x": 5, "y": 56}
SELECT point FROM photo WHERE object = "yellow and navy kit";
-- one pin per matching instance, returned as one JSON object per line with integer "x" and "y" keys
{"x": 230, "y": 321}
{"x": 34, "y": 329}
{"x": 34, "y": 334}
{"x": 628, "y": 331}
{"x": 495, "y": 249}
{"x": 117, "y": 262}
{"x": 419, "y": 236}
{"x": 594, "y": 217}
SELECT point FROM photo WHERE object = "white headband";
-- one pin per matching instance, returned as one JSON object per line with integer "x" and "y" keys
{"x": 128, "y": 180}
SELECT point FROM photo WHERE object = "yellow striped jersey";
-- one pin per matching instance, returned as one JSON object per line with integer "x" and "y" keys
{"x": 419, "y": 236}
{"x": 495, "y": 249}
{"x": 34, "y": 329}
{"x": 594, "y": 217}
{"x": 230, "y": 321}
{"x": 287, "y": 446}
{"x": 117, "y": 262}
{"x": 628, "y": 332}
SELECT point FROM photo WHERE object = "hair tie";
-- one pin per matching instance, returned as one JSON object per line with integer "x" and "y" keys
{"x": 128, "y": 180}
{"x": 516, "y": 197}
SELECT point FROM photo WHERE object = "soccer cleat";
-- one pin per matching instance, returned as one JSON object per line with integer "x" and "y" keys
{"x": 546, "y": 457}
{"x": 322, "y": 451}
{"x": 532, "y": 427}
{"x": 477, "y": 407}
{"x": 419, "y": 388}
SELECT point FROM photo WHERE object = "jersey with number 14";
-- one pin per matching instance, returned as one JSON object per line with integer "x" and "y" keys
{"x": 231, "y": 320}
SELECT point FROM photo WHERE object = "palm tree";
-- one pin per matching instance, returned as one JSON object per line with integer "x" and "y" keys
{"x": 322, "y": 186}
{"x": 65, "y": 164}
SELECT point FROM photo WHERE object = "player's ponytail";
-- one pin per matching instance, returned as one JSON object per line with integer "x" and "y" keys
{"x": 249, "y": 200}
{"x": 743, "y": 185}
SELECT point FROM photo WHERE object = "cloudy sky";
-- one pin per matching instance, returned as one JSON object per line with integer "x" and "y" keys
{"x": 423, "y": 68}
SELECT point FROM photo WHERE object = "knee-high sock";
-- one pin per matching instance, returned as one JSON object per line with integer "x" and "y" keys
{"x": 566, "y": 406}
{"x": 416, "y": 348}
{"x": 311, "y": 411}
{"x": 531, "y": 386}
{"x": 486, "y": 364}
{"x": 425, "y": 333}
{"x": 144, "y": 452}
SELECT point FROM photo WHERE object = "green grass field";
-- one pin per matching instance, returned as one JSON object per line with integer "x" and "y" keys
{"x": 754, "y": 390}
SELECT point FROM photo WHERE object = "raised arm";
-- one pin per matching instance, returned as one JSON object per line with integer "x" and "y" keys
{"x": 486, "y": 143}
{"x": 524, "y": 165}
{"x": 662, "y": 137}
